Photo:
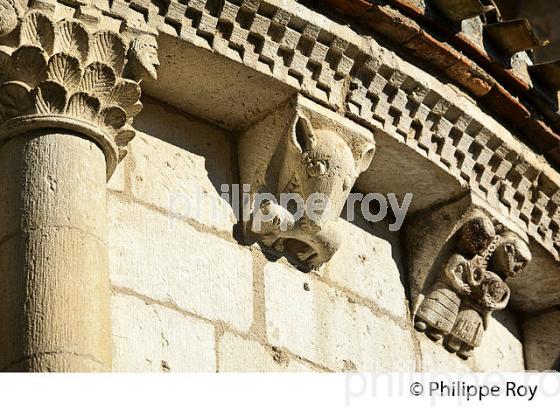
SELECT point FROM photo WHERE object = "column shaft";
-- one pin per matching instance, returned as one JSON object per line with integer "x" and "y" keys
{"x": 54, "y": 283}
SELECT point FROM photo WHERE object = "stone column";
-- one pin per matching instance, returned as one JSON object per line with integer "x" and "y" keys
{"x": 68, "y": 94}
{"x": 53, "y": 256}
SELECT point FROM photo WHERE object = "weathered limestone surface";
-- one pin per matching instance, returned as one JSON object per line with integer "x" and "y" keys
{"x": 184, "y": 168}
{"x": 328, "y": 327}
{"x": 218, "y": 85}
{"x": 141, "y": 229}
{"x": 434, "y": 358}
{"x": 501, "y": 348}
{"x": 240, "y": 355}
{"x": 542, "y": 341}
{"x": 371, "y": 265}
{"x": 153, "y": 338}
{"x": 535, "y": 290}
{"x": 161, "y": 257}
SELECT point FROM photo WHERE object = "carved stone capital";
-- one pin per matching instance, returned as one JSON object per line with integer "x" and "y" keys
{"x": 10, "y": 11}
{"x": 461, "y": 261}
{"x": 301, "y": 151}
{"x": 68, "y": 75}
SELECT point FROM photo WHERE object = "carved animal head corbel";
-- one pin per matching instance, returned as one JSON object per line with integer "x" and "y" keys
{"x": 320, "y": 162}
{"x": 300, "y": 150}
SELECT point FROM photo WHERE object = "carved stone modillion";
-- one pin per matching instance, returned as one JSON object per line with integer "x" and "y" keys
{"x": 309, "y": 160}
{"x": 472, "y": 285}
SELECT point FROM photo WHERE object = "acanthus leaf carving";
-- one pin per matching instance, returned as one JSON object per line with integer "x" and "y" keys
{"x": 8, "y": 17}
{"x": 83, "y": 105}
{"x": 66, "y": 71}
{"x": 72, "y": 38}
{"x": 14, "y": 98}
{"x": 113, "y": 117}
{"x": 109, "y": 48}
{"x": 50, "y": 98}
{"x": 98, "y": 79}
{"x": 29, "y": 65}
{"x": 38, "y": 30}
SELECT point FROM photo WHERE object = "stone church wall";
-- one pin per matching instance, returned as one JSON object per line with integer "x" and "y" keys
{"x": 187, "y": 295}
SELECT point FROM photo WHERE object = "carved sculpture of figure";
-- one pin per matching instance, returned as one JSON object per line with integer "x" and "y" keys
{"x": 512, "y": 255}
{"x": 315, "y": 162}
{"x": 489, "y": 292}
{"x": 439, "y": 310}
{"x": 143, "y": 58}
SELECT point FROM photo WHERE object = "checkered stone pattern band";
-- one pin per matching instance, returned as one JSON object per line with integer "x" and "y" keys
{"x": 338, "y": 74}
{"x": 270, "y": 40}
{"x": 441, "y": 131}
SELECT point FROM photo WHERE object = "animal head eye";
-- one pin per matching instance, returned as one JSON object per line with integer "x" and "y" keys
{"x": 316, "y": 168}
{"x": 509, "y": 248}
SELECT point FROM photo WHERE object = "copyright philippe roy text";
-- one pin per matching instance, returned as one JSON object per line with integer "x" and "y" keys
{"x": 473, "y": 392}
{"x": 458, "y": 387}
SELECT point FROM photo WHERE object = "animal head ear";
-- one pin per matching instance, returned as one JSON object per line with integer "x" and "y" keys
{"x": 366, "y": 156}
{"x": 302, "y": 137}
